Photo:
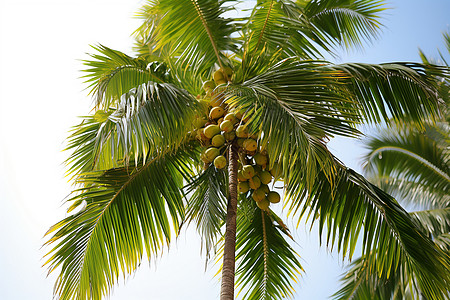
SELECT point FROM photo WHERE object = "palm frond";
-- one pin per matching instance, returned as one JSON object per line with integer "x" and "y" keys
{"x": 348, "y": 23}
{"x": 207, "y": 205}
{"x": 410, "y": 164}
{"x": 209, "y": 32}
{"x": 390, "y": 235}
{"x": 359, "y": 284}
{"x": 277, "y": 27}
{"x": 435, "y": 221}
{"x": 112, "y": 73}
{"x": 403, "y": 91}
{"x": 362, "y": 281}
{"x": 149, "y": 120}
{"x": 267, "y": 265}
{"x": 129, "y": 211}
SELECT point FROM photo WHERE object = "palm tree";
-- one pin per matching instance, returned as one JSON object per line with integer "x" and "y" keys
{"x": 412, "y": 164}
{"x": 139, "y": 169}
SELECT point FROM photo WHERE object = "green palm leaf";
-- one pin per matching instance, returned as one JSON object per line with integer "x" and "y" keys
{"x": 149, "y": 120}
{"x": 209, "y": 32}
{"x": 410, "y": 164}
{"x": 267, "y": 264}
{"x": 390, "y": 234}
{"x": 347, "y": 22}
{"x": 112, "y": 73}
{"x": 128, "y": 210}
{"x": 401, "y": 90}
{"x": 207, "y": 205}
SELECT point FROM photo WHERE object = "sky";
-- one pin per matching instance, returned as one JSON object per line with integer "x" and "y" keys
{"x": 41, "y": 95}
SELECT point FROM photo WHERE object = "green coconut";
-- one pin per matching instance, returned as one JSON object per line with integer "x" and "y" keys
{"x": 231, "y": 117}
{"x": 243, "y": 187}
{"x": 248, "y": 171}
{"x": 255, "y": 182}
{"x": 218, "y": 76}
{"x": 209, "y": 85}
{"x": 263, "y": 204}
{"x": 265, "y": 188}
{"x": 240, "y": 176}
{"x": 273, "y": 197}
{"x": 265, "y": 177}
{"x": 211, "y": 130}
{"x": 240, "y": 142}
{"x": 260, "y": 159}
{"x": 276, "y": 170}
{"x": 211, "y": 153}
{"x": 250, "y": 145}
{"x": 242, "y": 131}
{"x": 229, "y": 136}
{"x": 218, "y": 140}
{"x": 258, "y": 195}
{"x": 227, "y": 126}
{"x": 199, "y": 122}
{"x": 220, "y": 162}
{"x": 216, "y": 112}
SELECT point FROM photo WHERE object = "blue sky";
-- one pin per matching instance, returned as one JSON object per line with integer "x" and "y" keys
{"x": 41, "y": 96}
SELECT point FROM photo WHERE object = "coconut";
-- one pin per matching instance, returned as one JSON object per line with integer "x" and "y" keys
{"x": 201, "y": 135}
{"x": 240, "y": 176}
{"x": 216, "y": 112}
{"x": 228, "y": 71}
{"x": 273, "y": 197}
{"x": 265, "y": 188}
{"x": 220, "y": 162}
{"x": 211, "y": 153}
{"x": 209, "y": 85}
{"x": 248, "y": 171}
{"x": 243, "y": 187}
{"x": 218, "y": 76}
{"x": 232, "y": 118}
{"x": 258, "y": 195}
{"x": 199, "y": 122}
{"x": 240, "y": 142}
{"x": 260, "y": 159}
{"x": 229, "y": 136}
{"x": 263, "y": 204}
{"x": 227, "y": 126}
{"x": 265, "y": 177}
{"x": 211, "y": 130}
{"x": 218, "y": 140}
{"x": 242, "y": 131}
{"x": 276, "y": 170}
{"x": 255, "y": 182}
{"x": 250, "y": 145}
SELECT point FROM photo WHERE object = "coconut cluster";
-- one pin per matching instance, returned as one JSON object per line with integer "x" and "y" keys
{"x": 224, "y": 127}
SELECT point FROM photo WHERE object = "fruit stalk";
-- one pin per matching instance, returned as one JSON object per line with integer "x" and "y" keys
{"x": 227, "y": 288}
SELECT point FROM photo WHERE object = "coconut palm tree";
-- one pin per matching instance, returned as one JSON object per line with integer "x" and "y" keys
{"x": 412, "y": 164}
{"x": 141, "y": 172}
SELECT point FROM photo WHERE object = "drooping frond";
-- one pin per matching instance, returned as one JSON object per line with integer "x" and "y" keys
{"x": 129, "y": 211}
{"x": 390, "y": 235}
{"x": 149, "y": 120}
{"x": 207, "y": 205}
{"x": 410, "y": 164}
{"x": 112, "y": 73}
{"x": 359, "y": 284}
{"x": 267, "y": 265}
{"x": 401, "y": 90}
{"x": 435, "y": 221}
{"x": 277, "y": 27}
{"x": 348, "y": 23}
{"x": 362, "y": 281}
{"x": 195, "y": 32}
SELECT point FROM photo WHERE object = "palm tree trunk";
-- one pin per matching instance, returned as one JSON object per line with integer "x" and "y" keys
{"x": 228, "y": 270}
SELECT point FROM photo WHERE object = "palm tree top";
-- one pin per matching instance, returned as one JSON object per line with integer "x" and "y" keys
{"x": 140, "y": 165}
